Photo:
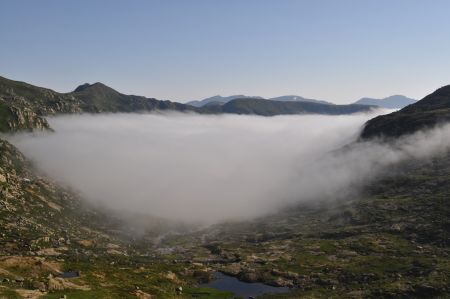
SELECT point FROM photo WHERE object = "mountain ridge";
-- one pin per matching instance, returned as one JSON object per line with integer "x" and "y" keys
{"x": 24, "y": 106}
{"x": 217, "y": 99}
{"x": 223, "y": 100}
{"x": 270, "y": 108}
{"x": 390, "y": 102}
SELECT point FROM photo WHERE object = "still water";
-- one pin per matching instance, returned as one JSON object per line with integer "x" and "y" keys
{"x": 242, "y": 289}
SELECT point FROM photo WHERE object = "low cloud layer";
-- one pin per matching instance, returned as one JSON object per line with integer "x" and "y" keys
{"x": 211, "y": 168}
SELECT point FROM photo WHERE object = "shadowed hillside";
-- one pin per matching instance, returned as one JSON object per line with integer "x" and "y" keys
{"x": 432, "y": 110}
{"x": 269, "y": 108}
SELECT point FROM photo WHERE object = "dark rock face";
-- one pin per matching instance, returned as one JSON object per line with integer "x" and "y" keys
{"x": 432, "y": 110}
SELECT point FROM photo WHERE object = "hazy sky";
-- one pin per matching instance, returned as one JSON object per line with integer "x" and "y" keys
{"x": 184, "y": 50}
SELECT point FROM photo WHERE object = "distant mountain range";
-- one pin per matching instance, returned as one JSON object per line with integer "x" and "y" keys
{"x": 392, "y": 102}
{"x": 219, "y": 100}
{"x": 293, "y": 98}
{"x": 264, "y": 107}
{"x": 24, "y": 106}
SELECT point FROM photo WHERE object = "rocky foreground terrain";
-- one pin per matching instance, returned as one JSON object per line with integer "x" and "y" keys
{"x": 391, "y": 240}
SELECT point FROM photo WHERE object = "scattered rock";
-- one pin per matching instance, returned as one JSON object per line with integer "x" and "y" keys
{"x": 232, "y": 269}
{"x": 143, "y": 295}
{"x": 39, "y": 285}
{"x": 171, "y": 276}
{"x": 59, "y": 284}
{"x": 179, "y": 290}
{"x": 248, "y": 276}
{"x": 55, "y": 284}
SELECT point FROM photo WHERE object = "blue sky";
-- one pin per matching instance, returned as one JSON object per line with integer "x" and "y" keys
{"x": 184, "y": 50}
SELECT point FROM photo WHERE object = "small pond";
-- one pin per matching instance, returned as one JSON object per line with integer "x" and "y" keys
{"x": 70, "y": 274}
{"x": 242, "y": 289}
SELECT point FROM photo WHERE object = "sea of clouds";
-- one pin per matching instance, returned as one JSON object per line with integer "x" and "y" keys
{"x": 208, "y": 168}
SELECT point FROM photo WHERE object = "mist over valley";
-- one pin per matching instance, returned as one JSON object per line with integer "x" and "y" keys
{"x": 208, "y": 169}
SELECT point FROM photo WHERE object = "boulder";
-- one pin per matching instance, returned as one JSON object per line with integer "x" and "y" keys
{"x": 39, "y": 285}
{"x": 55, "y": 284}
{"x": 171, "y": 276}
{"x": 143, "y": 295}
{"x": 249, "y": 276}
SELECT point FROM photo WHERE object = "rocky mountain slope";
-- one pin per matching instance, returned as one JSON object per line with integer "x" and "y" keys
{"x": 36, "y": 212}
{"x": 54, "y": 244}
{"x": 424, "y": 114}
{"x": 24, "y": 106}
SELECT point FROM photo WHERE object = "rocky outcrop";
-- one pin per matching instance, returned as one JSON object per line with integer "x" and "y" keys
{"x": 38, "y": 216}
{"x": 26, "y": 118}
{"x": 59, "y": 284}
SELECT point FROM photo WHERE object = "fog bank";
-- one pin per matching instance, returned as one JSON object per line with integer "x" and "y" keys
{"x": 209, "y": 168}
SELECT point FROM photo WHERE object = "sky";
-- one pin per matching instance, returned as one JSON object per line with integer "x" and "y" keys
{"x": 182, "y": 50}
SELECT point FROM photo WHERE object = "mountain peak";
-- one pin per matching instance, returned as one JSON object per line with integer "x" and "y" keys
{"x": 82, "y": 87}
{"x": 95, "y": 87}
